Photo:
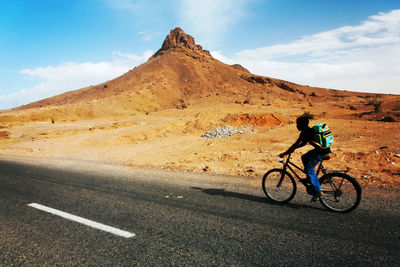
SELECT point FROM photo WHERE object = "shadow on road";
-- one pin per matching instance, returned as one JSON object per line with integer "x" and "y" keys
{"x": 224, "y": 193}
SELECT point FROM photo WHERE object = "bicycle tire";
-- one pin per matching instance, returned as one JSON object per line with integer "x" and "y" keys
{"x": 286, "y": 189}
{"x": 342, "y": 193}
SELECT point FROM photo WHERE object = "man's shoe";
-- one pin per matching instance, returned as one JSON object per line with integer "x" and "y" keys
{"x": 317, "y": 196}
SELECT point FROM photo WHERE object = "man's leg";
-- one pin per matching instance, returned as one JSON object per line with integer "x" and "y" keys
{"x": 310, "y": 160}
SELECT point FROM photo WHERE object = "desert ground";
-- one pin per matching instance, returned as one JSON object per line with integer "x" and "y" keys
{"x": 172, "y": 139}
{"x": 155, "y": 115}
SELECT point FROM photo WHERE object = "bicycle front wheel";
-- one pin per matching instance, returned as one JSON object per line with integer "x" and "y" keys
{"x": 279, "y": 185}
{"x": 342, "y": 193}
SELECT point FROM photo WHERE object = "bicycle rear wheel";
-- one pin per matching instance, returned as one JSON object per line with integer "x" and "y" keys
{"x": 279, "y": 185}
{"x": 342, "y": 193}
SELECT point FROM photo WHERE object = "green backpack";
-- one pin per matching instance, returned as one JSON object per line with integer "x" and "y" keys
{"x": 322, "y": 135}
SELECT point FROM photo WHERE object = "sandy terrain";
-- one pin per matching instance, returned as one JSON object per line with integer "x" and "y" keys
{"x": 154, "y": 117}
{"x": 171, "y": 139}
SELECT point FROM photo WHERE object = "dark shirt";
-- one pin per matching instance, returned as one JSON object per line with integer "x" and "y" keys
{"x": 306, "y": 136}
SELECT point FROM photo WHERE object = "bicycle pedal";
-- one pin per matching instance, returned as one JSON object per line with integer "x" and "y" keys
{"x": 314, "y": 199}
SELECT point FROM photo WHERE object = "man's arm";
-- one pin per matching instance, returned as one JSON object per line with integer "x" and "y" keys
{"x": 299, "y": 143}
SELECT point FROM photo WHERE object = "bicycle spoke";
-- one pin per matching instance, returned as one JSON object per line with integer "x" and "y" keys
{"x": 341, "y": 183}
{"x": 333, "y": 185}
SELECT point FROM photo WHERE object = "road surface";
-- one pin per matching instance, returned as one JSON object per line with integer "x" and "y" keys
{"x": 179, "y": 219}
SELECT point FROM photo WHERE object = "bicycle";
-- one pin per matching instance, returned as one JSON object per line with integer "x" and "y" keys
{"x": 342, "y": 192}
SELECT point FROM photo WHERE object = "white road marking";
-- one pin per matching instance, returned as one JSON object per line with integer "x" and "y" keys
{"x": 84, "y": 221}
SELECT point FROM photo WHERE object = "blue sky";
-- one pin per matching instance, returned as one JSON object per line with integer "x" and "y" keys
{"x": 48, "y": 47}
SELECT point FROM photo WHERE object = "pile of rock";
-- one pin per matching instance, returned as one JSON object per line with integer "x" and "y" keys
{"x": 226, "y": 131}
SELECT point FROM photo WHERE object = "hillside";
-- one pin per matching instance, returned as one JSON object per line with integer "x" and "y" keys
{"x": 155, "y": 114}
{"x": 181, "y": 74}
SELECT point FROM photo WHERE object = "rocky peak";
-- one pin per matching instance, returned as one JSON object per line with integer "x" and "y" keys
{"x": 178, "y": 39}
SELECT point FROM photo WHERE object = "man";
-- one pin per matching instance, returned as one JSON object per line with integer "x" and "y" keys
{"x": 312, "y": 157}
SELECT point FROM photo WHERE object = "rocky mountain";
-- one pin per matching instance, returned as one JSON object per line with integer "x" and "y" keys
{"x": 181, "y": 73}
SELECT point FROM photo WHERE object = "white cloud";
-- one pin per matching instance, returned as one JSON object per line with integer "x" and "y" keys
{"x": 208, "y": 20}
{"x": 365, "y": 57}
{"x": 71, "y": 76}
{"x": 132, "y": 59}
{"x": 211, "y": 19}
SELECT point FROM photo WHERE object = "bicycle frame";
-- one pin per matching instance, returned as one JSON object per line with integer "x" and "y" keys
{"x": 288, "y": 165}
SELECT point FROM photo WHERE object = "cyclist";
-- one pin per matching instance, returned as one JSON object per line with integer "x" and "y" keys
{"x": 312, "y": 157}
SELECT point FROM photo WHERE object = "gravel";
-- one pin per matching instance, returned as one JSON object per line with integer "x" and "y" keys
{"x": 226, "y": 131}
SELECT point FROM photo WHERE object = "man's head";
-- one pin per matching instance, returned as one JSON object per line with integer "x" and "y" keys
{"x": 302, "y": 123}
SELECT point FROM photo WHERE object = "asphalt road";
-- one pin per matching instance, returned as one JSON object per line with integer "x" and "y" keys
{"x": 180, "y": 219}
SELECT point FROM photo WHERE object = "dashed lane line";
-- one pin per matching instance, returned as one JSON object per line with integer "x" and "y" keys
{"x": 84, "y": 221}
